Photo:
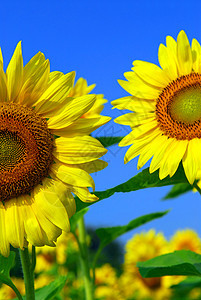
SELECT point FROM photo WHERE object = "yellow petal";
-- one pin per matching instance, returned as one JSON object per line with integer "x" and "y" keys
{"x": 172, "y": 157}
{"x": 1, "y": 59}
{"x": 151, "y": 73}
{"x": 78, "y": 149}
{"x": 72, "y": 176}
{"x": 167, "y": 62}
{"x": 51, "y": 230}
{"x": 53, "y": 76}
{"x": 50, "y": 205}
{"x": 4, "y": 244}
{"x": 135, "y": 119}
{"x": 73, "y": 110}
{"x": 55, "y": 94}
{"x": 3, "y": 87}
{"x": 140, "y": 147}
{"x": 15, "y": 74}
{"x": 33, "y": 65}
{"x": 190, "y": 161}
{"x": 159, "y": 145}
{"x": 84, "y": 194}
{"x": 15, "y": 232}
{"x": 35, "y": 84}
{"x": 34, "y": 233}
{"x": 134, "y": 104}
{"x": 184, "y": 54}
{"x": 196, "y": 56}
{"x": 94, "y": 166}
{"x": 140, "y": 89}
{"x": 82, "y": 126}
{"x": 64, "y": 194}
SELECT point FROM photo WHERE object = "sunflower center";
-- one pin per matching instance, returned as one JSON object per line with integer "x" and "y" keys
{"x": 26, "y": 146}
{"x": 11, "y": 150}
{"x": 186, "y": 106}
{"x": 178, "y": 108}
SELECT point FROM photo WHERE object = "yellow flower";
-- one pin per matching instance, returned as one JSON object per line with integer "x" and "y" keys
{"x": 142, "y": 247}
{"x": 91, "y": 119}
{"x": 166, "y": 118}
{"x": 106, "y": 283}
{"x": 41, "y": 162}
{"x": 185, "y": 240}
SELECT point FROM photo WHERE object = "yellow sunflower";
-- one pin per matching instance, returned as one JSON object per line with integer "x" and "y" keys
{"x": 41, "y": 163}
{"x": 166, "y": 118}
{"x": 91, "y": 119}
{"x": 142, "y": 247}
{"x": 185, "y": 240}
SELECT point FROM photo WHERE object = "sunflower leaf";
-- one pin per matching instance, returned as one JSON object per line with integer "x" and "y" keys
{"x": 49, "y": 291}
{"x": 178, "y": 190}
{"x": 187, "y": 285}
{"x": 6, "y": 264}
{"x": 108, "y": 141}
{"x": 183, "y": 262}
{"x": 108, "y": 234}
{"x": 140, "y": 181}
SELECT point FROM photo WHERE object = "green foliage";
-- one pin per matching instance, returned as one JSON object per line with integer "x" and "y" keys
{"x": 140, "y": 181}
{"x": 51, "y": 290}
{"x": 6, "y": 263}
{"x": 75, "y": 218}
{"x": 107, "y": 235}
{"x": 183, "y": 262}
{"x": 108, "y": 141}
{"x": 187, "y": 285}
{"x": 178, "y": 190}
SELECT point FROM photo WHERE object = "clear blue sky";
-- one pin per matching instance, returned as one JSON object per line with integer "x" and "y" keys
{"x": 100, "y": 39}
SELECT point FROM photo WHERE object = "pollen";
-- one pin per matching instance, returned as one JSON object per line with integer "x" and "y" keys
{"x": 178, "y": 108}
{"x": 26, "y": 146}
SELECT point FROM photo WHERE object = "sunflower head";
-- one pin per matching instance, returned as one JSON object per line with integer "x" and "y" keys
{"x": 166, "y": 109}
{"x": 186, "y": 240}
{"x": 46, "y": 153}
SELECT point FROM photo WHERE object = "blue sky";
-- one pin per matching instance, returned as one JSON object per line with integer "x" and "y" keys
{"x": 99, "y": 40}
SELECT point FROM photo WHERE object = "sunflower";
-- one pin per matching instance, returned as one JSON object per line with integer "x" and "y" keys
{"x": 91, "y": 119}
{"x": 42, "y": 164}
{"x": 142, "y": 247}
{"x": 166, "y": 117}
{"x": 185, "y": 240}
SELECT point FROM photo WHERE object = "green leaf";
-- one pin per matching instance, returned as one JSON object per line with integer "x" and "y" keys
{"x": 108, "y": 141}
{"x": 75, "y": 218}
{"x": 183, "y": 262}
{"x": 107, "y": 235}
{"x": 178, "y": 190}
{"x": 140, "y": 181}
{"x": 187, "y": 285}
{"x": 6, "y": 264}
{"x": 51, "y": 290}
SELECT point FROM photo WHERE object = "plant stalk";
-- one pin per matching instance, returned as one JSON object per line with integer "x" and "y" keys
{"x": 28, "y": 272}
{"x": 85, "y": 259}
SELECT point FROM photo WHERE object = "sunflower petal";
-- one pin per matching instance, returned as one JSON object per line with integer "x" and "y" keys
{"x": 184, "y": 54}
{"x": 15, "y": 74}
{"x": 4, "y": 244}
{"x": 72, "y": 176}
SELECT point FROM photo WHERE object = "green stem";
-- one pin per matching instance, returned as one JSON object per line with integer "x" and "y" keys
{"x": 28, "y": 274}
{"x": 85, "y": 259}
{"x": 197, "y": 187}
{"x": 12, "y": 286}
{"x": 94, "y": 263}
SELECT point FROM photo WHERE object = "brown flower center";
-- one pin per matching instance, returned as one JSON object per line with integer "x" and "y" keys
{"x": 178, "y": 108}
{"x": 26, "y": 146}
